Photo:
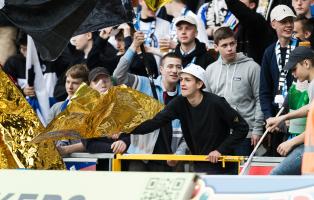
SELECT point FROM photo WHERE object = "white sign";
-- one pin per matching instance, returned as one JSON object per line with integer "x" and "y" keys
{"x": 81, "y": 185}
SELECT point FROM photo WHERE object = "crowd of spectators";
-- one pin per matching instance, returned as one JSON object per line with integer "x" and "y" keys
{"x": 219, "y": 69}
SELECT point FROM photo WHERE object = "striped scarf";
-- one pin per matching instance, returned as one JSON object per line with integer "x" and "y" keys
{"x": 282, "y": 86}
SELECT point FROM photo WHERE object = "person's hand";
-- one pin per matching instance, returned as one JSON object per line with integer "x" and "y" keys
{"x": 213, "y": 156}
{"x": 138, "y": 39}
{"x": 164, "y": 44}
{"x": 63, "y": 150}
{"x": 284, "y": 148}
{"x": 167, "y": 43}
{"x": 29, "y": 91}
{"x": 126, "y": 29}
{"x": 272, "y": 123}
{"x": 173, "y": 44}
{"x": 118, "y": 146}
{"x": 172, "y": 163}
{"x": 105, "y": 33}
{"x": 153, "y": 50}
{"x": 254, "y": 139}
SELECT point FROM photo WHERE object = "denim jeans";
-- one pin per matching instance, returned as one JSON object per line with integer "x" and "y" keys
{"x": 291, "y": 165}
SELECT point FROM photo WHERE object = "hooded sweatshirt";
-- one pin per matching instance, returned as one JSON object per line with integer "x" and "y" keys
{"x": 238, "y": 83}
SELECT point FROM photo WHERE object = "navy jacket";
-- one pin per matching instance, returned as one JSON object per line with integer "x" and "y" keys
{"x": 269, "y": 82}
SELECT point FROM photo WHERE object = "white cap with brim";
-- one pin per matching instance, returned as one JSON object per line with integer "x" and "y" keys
{"x": 188, "y": 19}
{"x": 195, "y": 70}
{"x": 281, "y": 12}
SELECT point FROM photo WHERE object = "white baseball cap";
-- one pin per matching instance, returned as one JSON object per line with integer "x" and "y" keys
{"x": 280, "y": 12}
{"x": 196, "y": 71}
{"x": 188, "y": 19}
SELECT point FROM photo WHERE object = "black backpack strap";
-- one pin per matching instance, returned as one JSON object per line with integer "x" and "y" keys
{"x": 153, "y": 87}
{"x": 162, "y": 129}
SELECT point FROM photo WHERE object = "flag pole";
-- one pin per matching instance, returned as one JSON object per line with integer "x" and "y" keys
{"x": 247, "y": 164}
{"x": 127, "y": 4}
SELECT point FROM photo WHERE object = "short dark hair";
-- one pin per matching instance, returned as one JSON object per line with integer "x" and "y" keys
{"x": 169, "y": 55}
{"x": 119, "y": 36}
{"x": 222, "y": 33}
{"x": 306, "y": 23}
{"x": 310, "y": 59}
{"x": 78, "y": 71}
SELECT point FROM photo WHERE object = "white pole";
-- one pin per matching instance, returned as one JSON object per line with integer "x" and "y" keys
{"x": 268, "y": 8}
{"x": 247, "y": 164}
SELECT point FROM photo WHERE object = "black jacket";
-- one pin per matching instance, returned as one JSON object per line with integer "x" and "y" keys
{"x": 202, "y": 56}
{"x": 205, "y": 127}
{"x": 254, "y": 33}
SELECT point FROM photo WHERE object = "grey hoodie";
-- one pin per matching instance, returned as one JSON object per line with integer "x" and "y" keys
{"x": 238, "y": 82}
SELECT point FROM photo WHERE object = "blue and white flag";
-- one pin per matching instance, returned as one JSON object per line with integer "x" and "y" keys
{"x": 40, "y": 102}
{"x": 231, "y": 21}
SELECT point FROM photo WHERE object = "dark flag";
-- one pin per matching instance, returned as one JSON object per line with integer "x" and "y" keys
{"x": 51, "y": 23}
{"x": 106, "y": 13}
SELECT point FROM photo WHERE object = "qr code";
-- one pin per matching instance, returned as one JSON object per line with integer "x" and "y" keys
{"x": 163, "y": 189}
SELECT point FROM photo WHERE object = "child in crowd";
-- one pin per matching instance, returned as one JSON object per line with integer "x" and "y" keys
{"x": 236, "y": 77}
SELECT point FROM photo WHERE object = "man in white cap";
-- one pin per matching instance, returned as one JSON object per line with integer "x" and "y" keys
{"x": 206, "y": 120}
{"x": 190, "y": 49}
{"x": 275, "y": 80}
{"x": 178, "y": 8}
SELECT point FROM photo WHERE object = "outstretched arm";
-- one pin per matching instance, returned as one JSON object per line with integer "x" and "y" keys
{"x": 162, "y": 118}
{"x": 273, "y": 122}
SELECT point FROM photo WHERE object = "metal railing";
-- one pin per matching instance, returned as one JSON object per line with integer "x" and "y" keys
{"x": 116, "y": 163}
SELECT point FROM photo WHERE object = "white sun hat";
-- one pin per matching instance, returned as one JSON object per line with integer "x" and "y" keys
{"x": 196, "y": 71}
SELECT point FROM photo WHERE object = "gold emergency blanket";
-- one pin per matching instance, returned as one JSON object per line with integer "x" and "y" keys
{"x": 6, "y": 158}
{"x": 18, "y": 126}
{"x": 90, "y": 114}
{"x": 155, "y": 4}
